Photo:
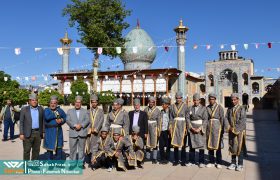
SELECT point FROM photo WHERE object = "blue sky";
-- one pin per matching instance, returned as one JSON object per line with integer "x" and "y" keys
{"x": 33, "y": 23}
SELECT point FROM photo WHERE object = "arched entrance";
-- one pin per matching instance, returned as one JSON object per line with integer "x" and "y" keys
{"x": 245, "y": 100}
{"x": 256, "y": 102}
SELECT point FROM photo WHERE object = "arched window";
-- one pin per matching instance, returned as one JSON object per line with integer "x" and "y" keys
{"x": 211, "y": 79}
{"x": 245, "y": 78}
{"x": 255, "y": 88}
{"x": 202, "y": 88}
{"x": 234, "y": 82}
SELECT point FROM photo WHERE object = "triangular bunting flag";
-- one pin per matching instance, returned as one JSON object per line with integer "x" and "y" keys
{"x": 119, "y": 50}
{"x": 77, "y": 51}
{"x": 59, "y": 51}
{"x": 17, "y": 51}
{"x": 99, "y": 50}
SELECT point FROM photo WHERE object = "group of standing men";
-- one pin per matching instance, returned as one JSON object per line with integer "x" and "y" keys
{"x": 125, "y": 139}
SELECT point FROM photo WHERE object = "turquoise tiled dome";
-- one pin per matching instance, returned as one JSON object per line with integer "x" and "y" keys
{"x": 146, "y": 50}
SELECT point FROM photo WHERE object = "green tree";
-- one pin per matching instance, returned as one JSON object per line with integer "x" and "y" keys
{"x": 44, "y": 97}
{"x": 106, "y": 97}
{"x": 100, "y": 23}
{"x": 79, "y": 87}
{"x": 10, "y": 89}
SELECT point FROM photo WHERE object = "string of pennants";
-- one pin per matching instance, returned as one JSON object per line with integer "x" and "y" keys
{"x": 119, "y": 50}
{"x": 134, "y": 74}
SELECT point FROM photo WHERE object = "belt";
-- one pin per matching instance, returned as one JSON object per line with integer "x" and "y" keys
{"x": 199, "y": 122}
{"x": 115, "y": 126}
{"x": 215, "y": 119}
{"x": 152, "y": 121}
{"x": 36, "y": 129}
{"x": 179, "y": 119}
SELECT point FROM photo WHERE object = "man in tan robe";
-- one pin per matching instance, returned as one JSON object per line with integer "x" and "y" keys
{"x": 215, "y": 131}
{"x": 153, "y": 123}
{"x": 96, "y": 117}
{"x": 178, "y": 113}
{"x": 197, "y": 120}
{"x": 118, "y": 117}
{"x": 235, "y": 122}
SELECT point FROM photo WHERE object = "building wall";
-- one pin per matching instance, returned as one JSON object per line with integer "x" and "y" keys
{"x": 223, "y": 87}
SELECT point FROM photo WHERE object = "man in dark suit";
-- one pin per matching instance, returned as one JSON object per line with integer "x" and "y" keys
{"x": 31, "y": 128}
{"x": 138, "y": 118}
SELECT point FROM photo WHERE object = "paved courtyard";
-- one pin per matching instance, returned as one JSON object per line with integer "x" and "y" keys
{"x": 263, "y": 133}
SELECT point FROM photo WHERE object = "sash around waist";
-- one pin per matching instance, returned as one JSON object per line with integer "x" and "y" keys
{"x": 179, "y": 119}
{"x": 197, "y": 122}
{"x": 115, "y": 126}
{"x": 215, "y": 119}
{"x": 152, "y": 121}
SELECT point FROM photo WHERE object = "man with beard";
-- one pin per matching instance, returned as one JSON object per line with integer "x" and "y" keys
{"x": 118, "y": 118}
{"x": 55, "y": 117}
{"x": 96, "y": 117}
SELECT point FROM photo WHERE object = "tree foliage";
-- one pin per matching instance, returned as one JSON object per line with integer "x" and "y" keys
{"x": 10, "y": 89}
{"x": 44, "y": 97}
{"x": 99, "y": 22}
{"x": 79, "y": 87}
{"x": 106, "y": 97}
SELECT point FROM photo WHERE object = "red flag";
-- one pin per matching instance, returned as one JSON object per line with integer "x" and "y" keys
{"x": 269, "y": 45}
{"x": 166, "y": 48}
{"x": 65, "y": 77}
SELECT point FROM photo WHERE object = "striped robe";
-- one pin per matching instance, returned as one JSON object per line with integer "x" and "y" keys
{"x": 96, "y": 122}
{"x": 215, "y": 126}
{"x": 124, "y": 147}
{"x": 99, "y": 148}
{"x": 236, "y": 119}
{"x": 119, "y": 118}
{"x": 153, "y": 125}
{"x": 138, "y": 146}
{"x": 178, "y": 114}
{"x": 197, "y": 119}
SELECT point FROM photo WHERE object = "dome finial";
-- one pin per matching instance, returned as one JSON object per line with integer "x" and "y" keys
{"x": 138, "y": 24}
{"x": 181, "y": 22}
{"x": 65, "y": 39}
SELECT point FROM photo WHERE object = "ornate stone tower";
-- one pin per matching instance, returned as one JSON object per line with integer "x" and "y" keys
{"x": 181, "y": 40}
{"x": 66, "y": 51}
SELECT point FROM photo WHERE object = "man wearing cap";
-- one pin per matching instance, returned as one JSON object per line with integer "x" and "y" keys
{"x": 164, "y": 137}
{"x": 215, "y": 131}
{"x": 121, "y": 150}
{"x": 54, "y": 118}
{"x": 178, "y": 113}
{"x": 8, "y": 116}
{"x": 153, "y": 124}
{"x": 78, "y": 121}
{"x": 96, "y": 116}
{"x": 118, "y": 117}
{"x": 31, "y": 128}
{"x": 197, "y": 120}
{"x": 100, "y": 157}
{"x": 235, "y": 122}
{"x": 138, "y": 145}
{"x": 138, "y": 118}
